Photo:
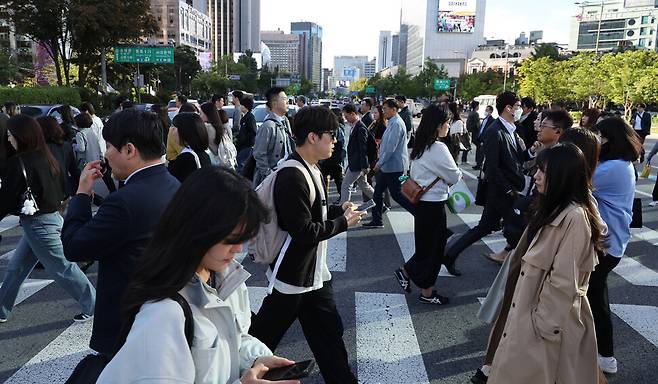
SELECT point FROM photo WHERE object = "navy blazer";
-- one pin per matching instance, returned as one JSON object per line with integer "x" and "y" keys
{"x": 357, "y": 148}
{"x": 115, "y": 237}
{"x": 503, "y": 164}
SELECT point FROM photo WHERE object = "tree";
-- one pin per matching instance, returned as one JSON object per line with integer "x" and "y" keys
{"x": 9, "y": 69}
{"x": 546, "y": 50}
{"x": 544, "y": 80}
{"x": 186, "y": 66}
{"x": 423, "y": 83}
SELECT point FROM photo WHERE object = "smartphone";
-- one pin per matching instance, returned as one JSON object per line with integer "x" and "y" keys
{"x": 366, "y": 206}
{"x": 104, "y": 167}
{"x": 296, "y": 371}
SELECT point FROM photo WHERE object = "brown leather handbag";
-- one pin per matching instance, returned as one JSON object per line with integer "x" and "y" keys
{"x": 414, "y": 191}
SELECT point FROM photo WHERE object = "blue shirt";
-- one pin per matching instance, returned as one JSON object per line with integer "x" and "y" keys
{"x": 393, "y": 155}
{"x": 614, "y": 190}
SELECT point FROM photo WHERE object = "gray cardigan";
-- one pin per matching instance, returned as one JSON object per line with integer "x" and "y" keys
{"x": 393, "y": 155}
{"x": 272, "y": 141}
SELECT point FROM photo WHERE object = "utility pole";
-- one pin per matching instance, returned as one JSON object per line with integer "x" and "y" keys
{"x": 104, "y": 69}
{"x": 506, "y": 67}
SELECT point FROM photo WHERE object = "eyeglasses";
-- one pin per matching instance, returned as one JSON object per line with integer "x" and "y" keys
{"x": 542, "y": 126}
{"x": 332, "y": 133}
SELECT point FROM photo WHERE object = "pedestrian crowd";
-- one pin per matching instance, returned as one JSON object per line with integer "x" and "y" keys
{"x": 185, "y": 194}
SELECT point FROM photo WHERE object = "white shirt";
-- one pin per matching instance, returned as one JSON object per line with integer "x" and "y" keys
{"x": 321, "y": 273}
{"x": 457, "y": 127}
{"x": 638, "y": 121}
{"x": 511, "y": 128}
{"x": 436, "y": 162}
{"x": 97, "y": 128}
{"x": 141, "y": 169}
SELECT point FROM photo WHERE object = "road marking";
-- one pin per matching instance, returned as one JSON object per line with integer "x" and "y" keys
{"x": 8, "y": 223}
{"x": 645, "y": 234}
{"x": 56, "y": 361}
{"x": 29, "y": 288}
{"x": 643, "y": 193}
{"x": 496, "y": 241}
{"x": 256, "y": 297}
{"x": 642, "y": 318}
{"x": 7, "y": 255}
{"x": 387, "y": 349}
{"x": 337, "y": 253}
{"x": 403, "y": 227}
{"x": 635, "y": 273}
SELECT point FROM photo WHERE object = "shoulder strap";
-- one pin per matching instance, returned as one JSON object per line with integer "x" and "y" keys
{"x": 189, "y": 318}
{"x": 27, "y": 184}
{"x": 307, "y": 174}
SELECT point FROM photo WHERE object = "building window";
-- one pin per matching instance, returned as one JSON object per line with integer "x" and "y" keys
{"x": 642, "y": 43}
{"x": 643, "y": 31}
{"x": 645, "y": 19}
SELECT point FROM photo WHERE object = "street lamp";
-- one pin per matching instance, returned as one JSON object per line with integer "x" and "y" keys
{"x": 598, "y": 29}
{"x": 506, "y": 67}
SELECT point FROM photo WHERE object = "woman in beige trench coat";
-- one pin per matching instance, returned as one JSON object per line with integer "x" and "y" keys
{"x": 549, "y": 334}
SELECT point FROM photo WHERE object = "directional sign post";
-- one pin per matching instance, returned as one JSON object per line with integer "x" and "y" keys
{"x": 371, "y": 90}
{"x": 144, "y": 55}
{"x": 441, "y": 84}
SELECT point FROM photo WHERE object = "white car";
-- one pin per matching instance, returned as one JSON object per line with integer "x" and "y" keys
{"x": 260, "y": 113}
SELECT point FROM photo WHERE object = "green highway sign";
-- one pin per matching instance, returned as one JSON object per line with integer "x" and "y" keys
{"x": 441, "y": 84}
{"x": 147, "y": 55}
{"x": 371, "y": 90}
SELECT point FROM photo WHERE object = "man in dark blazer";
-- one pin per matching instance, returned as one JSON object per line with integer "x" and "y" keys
{"x": 526, "y": 125}
{"x": 357, "y": 157}
{"x": 641, "y": 123}
{"x": 504, "y": 152}
{"x": 366, "y": 106}
{"x": 125, "y": 221}
{"x": 478, "y": 136}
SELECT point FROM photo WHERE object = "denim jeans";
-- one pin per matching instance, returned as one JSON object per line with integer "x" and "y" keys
{"x": 390, "y": 181}
{"x": 242, "y": 157}
{"x": 41, "y": 242}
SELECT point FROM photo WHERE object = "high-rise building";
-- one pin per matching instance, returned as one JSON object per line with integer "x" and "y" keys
{"x": 283, "y": 50}
{"x": 235, "y": 26}
{"x": 248, "y": 27}
{"x": 444, "y": 31}
{"x": 521, "y": 40}
{"x": 350, "y": 68}
{"x": 327, "y": 73}
{"x": 607, "y": 25}
{"x": 395, "y": 55}
{"x": 536, "y": 36}
{"x": 310, "y": 50}
{"x": 17, "y": 46}
{"x": 370, "y": 68}
{"x": 385, "y": 52}
{"x": 181, "y": 23}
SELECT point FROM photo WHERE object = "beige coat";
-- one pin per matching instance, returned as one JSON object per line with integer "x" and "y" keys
{"x": 549, "y": 334}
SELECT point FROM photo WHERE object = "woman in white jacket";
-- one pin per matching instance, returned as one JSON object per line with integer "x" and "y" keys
{"x": 191, "y": 254}
{"x": 430, "y": 160}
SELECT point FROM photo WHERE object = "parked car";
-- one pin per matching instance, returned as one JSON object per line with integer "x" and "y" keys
{"x": 418, "y": 109}
{"x": 260, "y": 112}
{"x": 46, "y": 110}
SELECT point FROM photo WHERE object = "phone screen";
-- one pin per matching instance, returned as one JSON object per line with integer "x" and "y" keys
{"x": 366, "y": 206}
{"x": 291, "y": 372}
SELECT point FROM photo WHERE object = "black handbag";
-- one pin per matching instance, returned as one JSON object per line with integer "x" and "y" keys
{"x": 482, "y": 189}
{"x": 249, "y": 168}
{"x": 91, "y": 366}
{"x": 636, "y": 222}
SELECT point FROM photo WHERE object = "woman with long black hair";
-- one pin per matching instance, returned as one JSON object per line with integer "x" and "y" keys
{"x": 549, "y": 334}
{"x": 190, "y": 133}
{"x": 431, "y": 164}
{"x": 192, "y": 254}
{"x": 35, "y": 169}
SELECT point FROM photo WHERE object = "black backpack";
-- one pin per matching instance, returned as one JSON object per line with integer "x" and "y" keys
{"x": 372, "y": 148}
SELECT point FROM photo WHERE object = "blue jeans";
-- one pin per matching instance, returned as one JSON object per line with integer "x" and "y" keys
{"x": 390, "y": 181}
{"x": 41, "y": 242}
{"x": 242, "y": 157}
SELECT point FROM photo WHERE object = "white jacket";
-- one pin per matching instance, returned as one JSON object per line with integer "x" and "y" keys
{"x": 436, "y": 161}
{"x": 156, "y": 350}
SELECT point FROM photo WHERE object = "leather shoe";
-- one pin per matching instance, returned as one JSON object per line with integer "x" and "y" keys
{"x": 479, "y": 377}
{"x": 450, "y": 266}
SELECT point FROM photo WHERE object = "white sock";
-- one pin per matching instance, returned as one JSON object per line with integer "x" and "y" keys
{"x": 486, "y": 369}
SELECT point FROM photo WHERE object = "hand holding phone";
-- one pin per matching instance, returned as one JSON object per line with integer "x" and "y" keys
{"x": 366, "y": 206}
{"x": 290, "y": 372}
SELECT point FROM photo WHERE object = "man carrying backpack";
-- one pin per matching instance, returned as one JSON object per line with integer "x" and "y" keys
{"x": 357, "y": 155}
{"x": 299, "y": 276}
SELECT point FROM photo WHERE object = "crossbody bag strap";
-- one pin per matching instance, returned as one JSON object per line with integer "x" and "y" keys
{"x": 425, "y": 189}
{"x": 189, "y": 318}
{"x": 27, "y": 184}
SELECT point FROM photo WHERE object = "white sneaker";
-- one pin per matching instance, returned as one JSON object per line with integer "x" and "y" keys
{"x": 653, "y": 203}
{"x": 608, "y": 364}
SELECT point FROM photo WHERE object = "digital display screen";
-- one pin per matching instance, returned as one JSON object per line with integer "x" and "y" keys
{"x": 456, "y": 16}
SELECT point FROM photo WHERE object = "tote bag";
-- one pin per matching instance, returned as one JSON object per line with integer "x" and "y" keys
{"x": 460, "y": 197}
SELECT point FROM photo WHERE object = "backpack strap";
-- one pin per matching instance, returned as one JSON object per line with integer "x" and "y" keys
{"x": 189, "y": 318}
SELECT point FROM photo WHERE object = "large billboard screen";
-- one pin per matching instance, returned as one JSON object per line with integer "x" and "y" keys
{"x": 456, "y": 16}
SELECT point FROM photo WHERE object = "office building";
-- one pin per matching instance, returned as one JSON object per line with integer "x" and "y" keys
{"x": 498, "y": 58}
{"x": 235, "y": 26}
{"x": 180, "y": 23}
{"x": 370, "y": 68}
{"x": 395, "y": 54}
{"x": 536, "y": 37}
{"x": 445, "y": 31}
{"x": 327, "y": 73}
{"x": 283, "y": 51}
{"x": 350, "y": 68}
{"x": 310, "y": 50}
{"x": 385, "y": 51}
{"x": 19, "y": 47}
{"x": 521, "y": 40}
{"x": 610, "y": 24}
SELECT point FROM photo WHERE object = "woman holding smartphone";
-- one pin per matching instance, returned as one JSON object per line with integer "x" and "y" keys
{"x": 430, "y": 161}
{"x": 191, "y": 255}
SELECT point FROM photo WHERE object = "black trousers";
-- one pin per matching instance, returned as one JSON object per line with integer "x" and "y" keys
{"x": 335, "y": 171}
{"x": 654, "y": 194}
{"x": 499, "y": 206}
{"x": 597, "y": 294}
{"x": 479, "y": 154}
{"x": 321, "y": 323}
{"x": 430, "y": 235}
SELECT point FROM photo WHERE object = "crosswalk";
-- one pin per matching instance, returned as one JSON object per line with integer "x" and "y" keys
{"x": 387, "y": 348}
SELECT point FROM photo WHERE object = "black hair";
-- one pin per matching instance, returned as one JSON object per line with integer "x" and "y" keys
{"x": 182, "y": 99}
{"x": 401, "y": 98}
{"x": 504, "y": 99}
{"x": 489, "y": 107}
{"x": 191, "y": 131}
{"x": 641, "y": 105}
{"x": 215, "y": 98}
{"x": 587, "y": 141}
{"x": 29, "y": 137}
{"x": 454, "y": 111}
{"x": 390, "y": 103}
{"x": 11, "y": 108}
{"x": 52, "y": 131}
{"x": 368, "y": 102}
{"x": 475, "y": 104}
{"x": 561, "y": 118}
{"x": 528, "y": 102}
{"x": 623, "y": 143}
{"x": 238, "y": 95}
{"x": 211, "y": 112}
{"x": 272, "y": 94}
{"x": 188, "y": 228}
{"x": 127, "y": 104}
{"x": 339, "y": 115}
{"x": 141, "y": 128}
{"x": 83, "y": 120}
{"x": 567, "y": 180}
{"x": 87, "y": 107}
{"x": 188, "y": 107}
{"x": 247, "y": 102}
{"x": 66, "y": 113}
{"x": 161, "y": 111}
{"x": 433, "y": 117}
{"x": 223, "y": 116}
{"x": 316, "y": 119}
{"x": 349, "y": 108}
{"x": 592, "y": 117}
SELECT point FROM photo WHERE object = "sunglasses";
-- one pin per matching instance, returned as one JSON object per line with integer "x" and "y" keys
{"x": 332, "y": 133}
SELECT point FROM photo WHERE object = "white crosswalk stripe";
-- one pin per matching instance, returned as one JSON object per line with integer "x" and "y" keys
{"x": 8, "y": 223}
{"x": 29, "y": 288}
{"x": 642, "y": 318}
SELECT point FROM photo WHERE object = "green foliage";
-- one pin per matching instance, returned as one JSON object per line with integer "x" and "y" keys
{"x": 544, "y": 79}
{"x": 9, "y": 70}
{"x": 41, "y": 95}
{"x": 546, "y": 50}
{"x": 483, "y": 83}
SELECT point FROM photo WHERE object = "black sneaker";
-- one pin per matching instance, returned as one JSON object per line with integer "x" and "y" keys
{"x": 3, "y": 319}
{"x": 403, "y": 280}
{"x": 434, "y": 299}
{"x": 386, "y": 209}
{"x": 373, "y": 224}
{"x": 82, "y": 318}
{"x": 479, "y": 377}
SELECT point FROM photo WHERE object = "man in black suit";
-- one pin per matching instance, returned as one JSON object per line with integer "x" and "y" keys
{"x": 357, "y": 157}
{"x": 478, "y": 137}
{"x": 366, "y": 106}
{"x": 125, "y": 221}
{"x": 526, "y": 124}
{"x": 504, "y": 152}
{"x": 641, "y": 123}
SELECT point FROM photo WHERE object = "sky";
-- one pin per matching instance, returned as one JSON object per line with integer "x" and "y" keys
{"x": 352, "y": 27}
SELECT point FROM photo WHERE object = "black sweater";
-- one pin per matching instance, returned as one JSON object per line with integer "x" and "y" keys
{"x": 48, "y": 189}
{"x": 247, "y": 134}
{"x": 184, "y": 164}
{"x": 303, "y": 223}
